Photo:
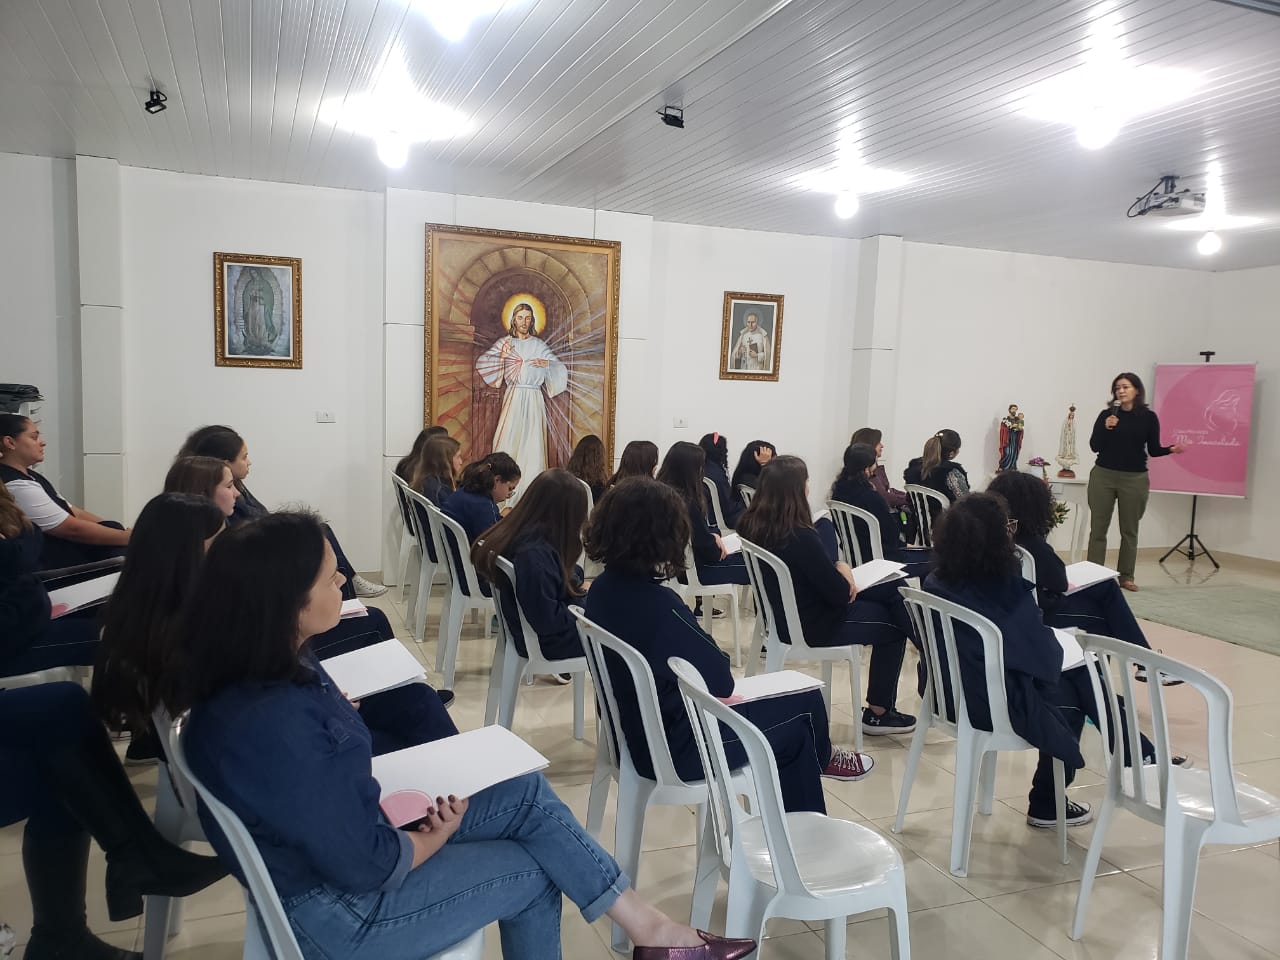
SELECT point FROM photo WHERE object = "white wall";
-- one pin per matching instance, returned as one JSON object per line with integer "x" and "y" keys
{"x": 982, "y": 329}
{"x": 172, "y": 225}
{"x": 805, "y": 413}
{"x": 1245, "y": 304}
{"x": 39, "y": 321}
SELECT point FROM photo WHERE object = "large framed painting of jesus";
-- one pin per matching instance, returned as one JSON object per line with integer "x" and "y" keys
{"x": 521, "y": 345}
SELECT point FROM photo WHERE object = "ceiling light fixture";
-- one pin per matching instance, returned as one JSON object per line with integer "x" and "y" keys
{"x": 394, "y": 114}
{"x": 452, "y": 19}
{"x": 849, "y": 178}
{"x": 1107, "y": 90}
{"x": 1209, "y": 244}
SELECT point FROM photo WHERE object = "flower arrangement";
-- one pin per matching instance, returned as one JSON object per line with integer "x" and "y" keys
{"x": 1060, "y": 513}
{"x": 1042, "y": 463}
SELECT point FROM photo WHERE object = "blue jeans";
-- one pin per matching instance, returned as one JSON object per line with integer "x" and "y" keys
{"x": 517, "y": 850}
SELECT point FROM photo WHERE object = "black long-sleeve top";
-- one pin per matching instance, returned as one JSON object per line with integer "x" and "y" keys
{"x": 1127, "y": 446}
{"x": 865, "y": 496}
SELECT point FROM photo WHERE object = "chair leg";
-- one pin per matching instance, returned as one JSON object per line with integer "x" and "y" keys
{"x": 493, "y": 699}
{"x": 987, "y": 783}
{"x": 835, "y": 936}
{"x": 426, "y": 573}
{"x": 826, "y": 686}
{"x": 706, "y": 875}
{"x": 968, "y": 758}
{"x": 913, "y": 761}
{"x": 442, "y": 633}
{"x": 855, "y": 695}
{"x": 1060, "y": 807}
{"x": 737, "y": 636}
{"x": 579, "y": 705}
{"x": 155, "y": 928}
{"x": 1091, "y": 861}
{"x": 1183, "y": 837}
{"x": 633, "y": 804}
{"x": 452, "y": 632}
{"x": 600, "y": 778}
{"x": 899, "y": 927}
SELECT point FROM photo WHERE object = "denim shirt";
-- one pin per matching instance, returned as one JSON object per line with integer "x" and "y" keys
{"x": 293, "y": 761}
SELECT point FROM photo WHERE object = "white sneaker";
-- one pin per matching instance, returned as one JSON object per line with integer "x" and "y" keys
{"x": 367, "y": 588}
{"x": 8, "y": 940}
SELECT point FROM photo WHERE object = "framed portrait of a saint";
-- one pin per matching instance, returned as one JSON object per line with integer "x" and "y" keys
{"x": 257, "y": 311}
{"x": 521, "y": 342}
{"x": 751, "y": 336}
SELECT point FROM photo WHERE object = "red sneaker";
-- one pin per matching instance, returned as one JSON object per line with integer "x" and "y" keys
{"x": 847, "y": 765}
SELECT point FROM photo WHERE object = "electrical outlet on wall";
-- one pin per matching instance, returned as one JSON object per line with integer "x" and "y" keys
{"x": 325, "y": 416}
{"x": 680, "y": 423}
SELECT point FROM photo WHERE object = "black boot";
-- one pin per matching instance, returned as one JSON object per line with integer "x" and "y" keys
{"x": 55, "y": 865}
{"x": 93, "y": 787}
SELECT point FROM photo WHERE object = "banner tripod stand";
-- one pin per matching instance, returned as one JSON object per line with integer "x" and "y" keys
{"x": 1192, "y": 540}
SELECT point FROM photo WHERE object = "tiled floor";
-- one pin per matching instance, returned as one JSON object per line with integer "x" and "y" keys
{"x": 1016, "y": 901}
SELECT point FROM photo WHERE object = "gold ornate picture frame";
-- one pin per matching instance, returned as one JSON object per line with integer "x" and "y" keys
{"x": 521, "y": 342}
{"x": 751, "y": 336}
{"x": 257, "y": 311}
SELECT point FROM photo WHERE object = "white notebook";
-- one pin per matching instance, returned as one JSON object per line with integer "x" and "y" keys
{"x": 1082, "y": 575}
{"x": 460, "y": 766}
{"x": 763, "y": 686}
{"x": 374, "y": 669}
{"x": 353, "y": 608}
{"x": 67, "y": 600}
{"x": 1072, "y": 652}
{"x": 877, "y": 571}
{"x": 732, "y": 544}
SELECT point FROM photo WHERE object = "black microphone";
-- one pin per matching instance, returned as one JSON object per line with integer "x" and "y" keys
{"x": 1115, "y": 409}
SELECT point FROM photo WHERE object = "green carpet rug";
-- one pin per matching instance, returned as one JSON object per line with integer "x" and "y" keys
{"x": 1248, "y": 616}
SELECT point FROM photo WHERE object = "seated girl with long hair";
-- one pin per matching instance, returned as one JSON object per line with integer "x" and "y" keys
{"x": 1100, "y": 608}
{"x": 638, "y": 531}
{"x": 542, "y": 537}
{"x": 483, "y": 487}
{"x": 140, "y": 622}
{"x": 977, "y": 567}
{"x": 896, "y": 499}
{"x": 435, "y": 472}
{"x": 833, "y": 612}
{"x": 639, "y": 459}
{"x": 273, "y": 739}
{"x": 716, "y": 469}
{"x": 853, "y": 485}
{"x": 30, "y": 639}
{"x": 405, "y": 465}
{"x": 936, "y": 467}
{"x": 588, "y": 464}
{"x": 223, "y": 443}
{"x": 754, "y": 456}
{"x": 682, "y": 471}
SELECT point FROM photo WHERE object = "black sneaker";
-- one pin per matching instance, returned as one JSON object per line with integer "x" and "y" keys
{"x": 143, "y": 749}
{"x": 446, "y": 697}
{"x": 1078, "y": 814}
{"x": 891, "y": 721}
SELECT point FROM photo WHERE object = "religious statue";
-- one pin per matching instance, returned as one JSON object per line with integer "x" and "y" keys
{"x": 531, "y": 375}
{"x": 1067, "y": 445}
{"x": 1011, "y": 430}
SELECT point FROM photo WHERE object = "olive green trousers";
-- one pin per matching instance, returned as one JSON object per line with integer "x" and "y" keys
{"x": 1107, "y": 489}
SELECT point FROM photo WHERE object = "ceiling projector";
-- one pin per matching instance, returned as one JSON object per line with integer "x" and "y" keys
{"x": 1166, "y": 200}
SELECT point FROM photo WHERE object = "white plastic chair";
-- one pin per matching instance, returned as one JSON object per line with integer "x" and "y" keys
{"x": 509, "y": 667}
{"x": 846, "y": 518}
{"x": 975, "y": 749}
{"x": 52, "y": 675}
{"x": 1028, "y": 571}
{"x": 746, "y": 493}
{"x": 804, "y": 865}
{"x": 1195, "y": 806}
{"x": 695, "y": 588}
{"x": 613, "y": 762}
{"x": 777, "y": 652}
{"x": 921, "y": 496}
{"x": 464, "y": 589}
{"x": 716, "y": 513}
{"x": 264, "y": 913}
{"x": 408, "y": 535}
{"x": 431, "y": 568}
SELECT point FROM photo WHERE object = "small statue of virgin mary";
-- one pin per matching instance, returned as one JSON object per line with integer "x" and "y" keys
{"x": 1067, "y": 445}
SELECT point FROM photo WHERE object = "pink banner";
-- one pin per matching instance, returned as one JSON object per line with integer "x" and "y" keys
{"x": 1207, "y": 407}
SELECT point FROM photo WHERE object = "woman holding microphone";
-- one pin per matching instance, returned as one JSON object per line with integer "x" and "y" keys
{"x": 1124, "y": 435}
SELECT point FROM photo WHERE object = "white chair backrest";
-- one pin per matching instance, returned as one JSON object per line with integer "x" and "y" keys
{"x": 399, "y": 487}
{"x": 1028, "y": 571}
{"x": 261, "y": 889}
{"x": 847, "y": 519}
{"x": 758, "y": 560}
{"x": 591, "y": 497}
{"x": 453, "y": 543}
{"x": 1116, "y": 660}
{"x": 935, "y": 622}
{"x": 595, "y": 641}
{"x": 921, "y": 496}
{"x": 746, "y": 493}
{"x": 531, "y": 642}
{"x": 717, "y": 513}
{"x": 418, "y": 505}
{"x": 706, "y": 713}
{"x": 182, "y": 787}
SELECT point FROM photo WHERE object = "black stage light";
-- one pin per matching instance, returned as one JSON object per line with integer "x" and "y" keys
{"x": 672, "y": 116}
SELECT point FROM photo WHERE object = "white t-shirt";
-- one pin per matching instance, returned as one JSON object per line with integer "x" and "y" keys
{"x": 37, "y": 502}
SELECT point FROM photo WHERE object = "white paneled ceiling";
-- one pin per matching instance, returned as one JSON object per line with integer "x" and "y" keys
{"x": 561, "y": 97}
